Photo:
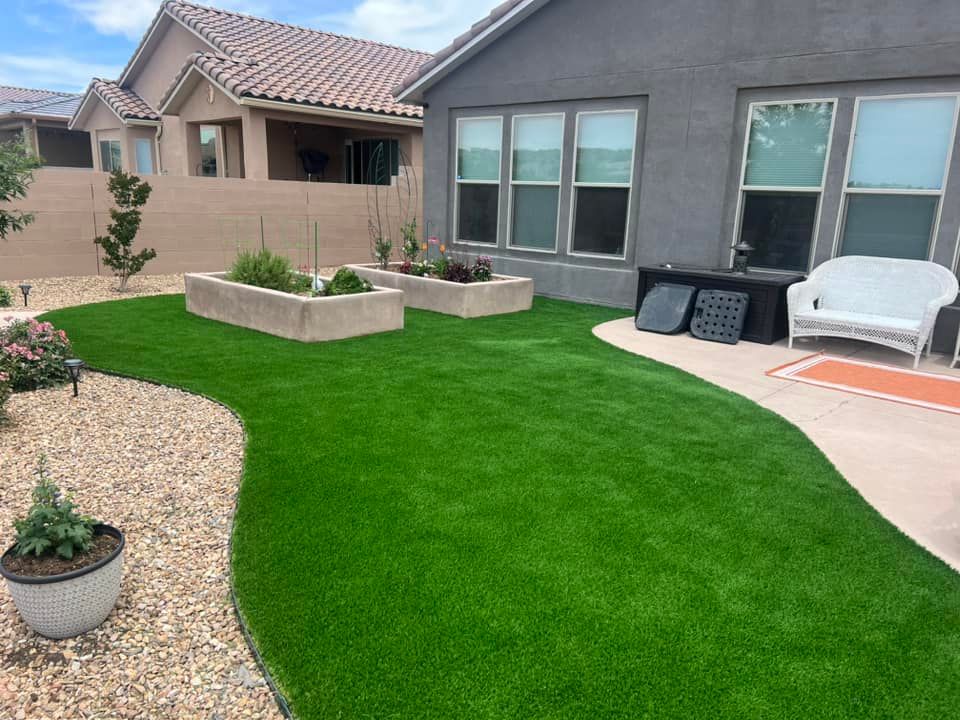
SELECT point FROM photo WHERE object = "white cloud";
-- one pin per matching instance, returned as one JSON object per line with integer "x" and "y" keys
{"x": 51, "y": 72}
{"x": 421, "y": 24}
{"x": 130, "y": 18}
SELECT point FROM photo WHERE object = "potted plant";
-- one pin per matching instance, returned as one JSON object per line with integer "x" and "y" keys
{"x": 64, "y": 570}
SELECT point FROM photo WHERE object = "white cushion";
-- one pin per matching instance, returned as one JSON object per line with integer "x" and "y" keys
{"x": 860, "y": 319}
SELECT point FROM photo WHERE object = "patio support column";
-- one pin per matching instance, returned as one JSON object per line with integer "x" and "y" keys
{"x": 255, "y": 145}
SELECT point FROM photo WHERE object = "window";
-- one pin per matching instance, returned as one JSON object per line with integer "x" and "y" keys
{"x": 477, "y": 201}
{"x": 209, "y": 151}
{"x": 603, "y": 177}
{"x": 373, "y": 162}
{"x": 144, "y": 148}
{"x": 110, "y": 156}
{"x": 897, "y": 170}
{"x": 535, "y": 181}
{"x": 785, "y": 160}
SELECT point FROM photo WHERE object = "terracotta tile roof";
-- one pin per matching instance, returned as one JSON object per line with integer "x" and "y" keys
{"x": 24, "y": 101}
{"x": 443, "y": 55}
{"x": 125, "y": 103}
{"x": 274, "y": 61}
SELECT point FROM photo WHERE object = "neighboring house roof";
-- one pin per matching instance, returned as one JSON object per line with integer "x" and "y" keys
{"x": 269, "y": 60}
{"x": 38, "y": 103}
{"x": 502, "y": 18}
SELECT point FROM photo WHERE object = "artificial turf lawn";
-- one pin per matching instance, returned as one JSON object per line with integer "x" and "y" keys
{"x": 506, "y": 518}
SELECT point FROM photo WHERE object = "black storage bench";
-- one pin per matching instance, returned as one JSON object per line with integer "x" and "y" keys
{"x": 766, "y": 319}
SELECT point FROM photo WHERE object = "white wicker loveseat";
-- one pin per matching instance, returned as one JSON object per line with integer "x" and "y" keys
{"x": 880, "y": 300}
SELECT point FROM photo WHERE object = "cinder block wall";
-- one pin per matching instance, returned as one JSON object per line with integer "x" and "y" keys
{"x": 195, "y": 224}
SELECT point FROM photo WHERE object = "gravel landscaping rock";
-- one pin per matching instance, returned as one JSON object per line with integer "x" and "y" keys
{"x": 54, "y": 293}
{"x": 163, "y": 466}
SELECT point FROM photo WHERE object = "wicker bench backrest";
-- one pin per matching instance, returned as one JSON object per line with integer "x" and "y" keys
{"x": 882, "y": 286}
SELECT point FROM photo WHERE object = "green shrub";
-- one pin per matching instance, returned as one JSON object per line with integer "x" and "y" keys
{"x": 5, "y": 392}
{"x": 130, "y": 193}
{"x": 6, "y": 297}
{"x": 32, "y": 354}
{"x": 346, "y": 282}
{"x": 267, "y": 270}
{"x": 52, "y": 526}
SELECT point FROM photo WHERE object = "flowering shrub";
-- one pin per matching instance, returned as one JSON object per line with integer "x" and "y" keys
{"x": 5, "y": 393}
{"x": 6, "y": 297}
{"x": 32, "y": 354}
{"x": 446, "y": 268}
{"x": 483, "y": 269}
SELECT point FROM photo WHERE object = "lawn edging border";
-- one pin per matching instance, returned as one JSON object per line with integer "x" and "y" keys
{"x": 279, "y": 698}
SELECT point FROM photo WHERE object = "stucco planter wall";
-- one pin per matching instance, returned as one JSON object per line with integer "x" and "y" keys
{"x": 306, "y": 319}
{"x": 503, "y": 294}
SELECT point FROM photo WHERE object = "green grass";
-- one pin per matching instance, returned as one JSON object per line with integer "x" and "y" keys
{"x": 507, "y": 518}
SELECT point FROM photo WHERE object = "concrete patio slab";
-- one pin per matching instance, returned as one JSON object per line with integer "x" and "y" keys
{"x": 902, "y": 459}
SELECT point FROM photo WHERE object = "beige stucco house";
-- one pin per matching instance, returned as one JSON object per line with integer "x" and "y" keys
{"x": 39, "y": 118}
{"x": 215, "y": 93}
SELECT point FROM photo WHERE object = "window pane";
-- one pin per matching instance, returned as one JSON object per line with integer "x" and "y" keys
{"x": 116, "y": 162}
{"x": 897, "y": 226}
{"x": 600, "y": 222}
{"x": 537, "y": 144}
{"x": 478, "y": 154}
{"x": 788, "y": 144}
{"x": 535, "y": 216}
{"x": 106, "y": 160}
{"x": 477, "y": 213}
{"x": 605, "y": 147}
{"x": 144, "y": 156}
{"x": 902, "y": 143}
{"x": 208, "y": 151}
{"x": 780, "y": 227}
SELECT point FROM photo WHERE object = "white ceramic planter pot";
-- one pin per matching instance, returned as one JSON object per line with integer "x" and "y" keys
{"x": 61, "y": 606}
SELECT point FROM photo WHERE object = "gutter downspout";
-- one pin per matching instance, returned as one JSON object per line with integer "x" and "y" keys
{"x": 156, "y": 142}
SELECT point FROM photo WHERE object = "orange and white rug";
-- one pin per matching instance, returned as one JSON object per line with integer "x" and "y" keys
{"x": 911, "y": 387}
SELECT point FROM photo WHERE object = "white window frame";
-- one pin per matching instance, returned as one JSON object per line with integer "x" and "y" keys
{"x": 535, "y": 183}
{"x": 457, "y": 182}
{"x": 110, "y": 141}
{"x": 939, "y": 194}
{"x": 620, "y": 186}
{"x": 783, "y": 189}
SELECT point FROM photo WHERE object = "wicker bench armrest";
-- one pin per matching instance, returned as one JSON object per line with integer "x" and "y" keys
{"x": 802, "y": 296}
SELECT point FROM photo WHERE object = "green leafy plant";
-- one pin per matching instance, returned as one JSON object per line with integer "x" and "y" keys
{"x": 52, "y": 526}
{"x": 6, "y": 297}
{"x": 382, "y": 248}
{"x": 346, "y": 282}
{"x": 482, "y": 269}
{"x": 130, "y": 193}
{"x": 32, "y": 354}
{"x": 267, "y": 270}
{"x": 17, "y": 163}
{"x": 410, "y": 249}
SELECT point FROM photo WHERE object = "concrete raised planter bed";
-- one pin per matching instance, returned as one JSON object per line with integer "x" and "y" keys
{"x": 503, "y": 294}
{"x": 306, "y": 319}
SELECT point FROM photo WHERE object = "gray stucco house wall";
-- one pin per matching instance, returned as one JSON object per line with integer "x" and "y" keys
{"x": 690, "y": 68}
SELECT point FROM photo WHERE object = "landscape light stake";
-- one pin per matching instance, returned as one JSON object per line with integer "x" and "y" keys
{"x": 74, "y": 365}
{"x": 25, "y": 289}
{"x": 316, "y": 257}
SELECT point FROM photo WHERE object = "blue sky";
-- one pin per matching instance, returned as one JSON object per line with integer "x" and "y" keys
{"x": 61, "y": 44}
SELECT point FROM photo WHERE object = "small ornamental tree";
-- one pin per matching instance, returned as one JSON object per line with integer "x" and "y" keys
{"x": 17, "y": 163}
{"x": 130, "y": 193}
